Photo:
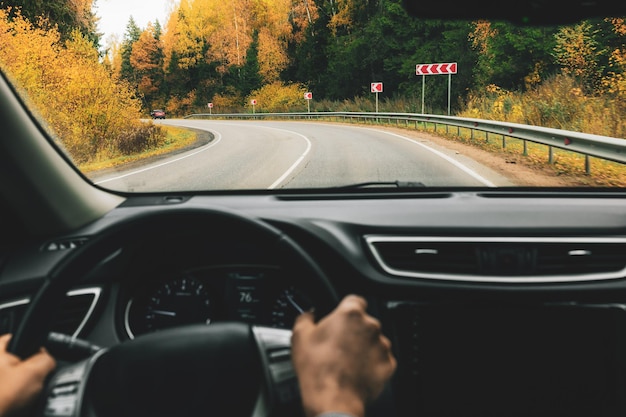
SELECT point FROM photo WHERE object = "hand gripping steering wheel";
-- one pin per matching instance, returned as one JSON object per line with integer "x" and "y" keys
{"x": 224, "y": 369}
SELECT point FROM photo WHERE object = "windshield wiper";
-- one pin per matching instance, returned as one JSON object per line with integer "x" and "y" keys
{"x": 381, "y": 184}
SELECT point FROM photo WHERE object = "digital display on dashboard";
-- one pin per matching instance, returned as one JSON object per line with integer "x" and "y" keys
{"x": 246, "y": 295}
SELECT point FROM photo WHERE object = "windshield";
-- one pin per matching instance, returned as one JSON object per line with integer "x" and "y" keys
{"x": 207, "y": 95}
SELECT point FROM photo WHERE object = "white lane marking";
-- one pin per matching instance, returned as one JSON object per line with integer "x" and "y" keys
{"x": 210, "y": 145}
{"x": 295, "y": 164}
{"x": 453, "y": 161}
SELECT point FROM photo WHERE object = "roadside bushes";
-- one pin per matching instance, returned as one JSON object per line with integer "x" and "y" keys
{"x": 90, "y": 113}
{"x": 558, "y": 102}
{"x": 139, "y": 138}
{"x": 278, "y": 97}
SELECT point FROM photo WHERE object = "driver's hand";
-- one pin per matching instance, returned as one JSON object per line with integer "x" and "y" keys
{"x": 343, "y": 361}
{"x": 21, "y": 380}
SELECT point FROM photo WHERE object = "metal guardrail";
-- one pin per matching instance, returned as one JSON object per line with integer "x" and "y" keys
{"x": 603, "y": 147}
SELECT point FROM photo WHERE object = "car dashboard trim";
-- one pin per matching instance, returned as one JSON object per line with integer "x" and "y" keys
{"x": 372, "y": 240}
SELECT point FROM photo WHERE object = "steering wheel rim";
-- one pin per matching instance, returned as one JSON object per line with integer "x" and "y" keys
{"x": 35, "y": 325}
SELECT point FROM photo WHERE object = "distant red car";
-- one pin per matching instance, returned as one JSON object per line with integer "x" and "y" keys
{"x": 157, "y": 114}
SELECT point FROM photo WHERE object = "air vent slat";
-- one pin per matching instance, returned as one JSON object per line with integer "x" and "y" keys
{"x": 71, "y": 316}
{"x": 72, "y": 313}
{"x": 493, "y": 259}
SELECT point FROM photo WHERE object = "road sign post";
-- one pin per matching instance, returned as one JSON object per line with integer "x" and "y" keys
{"x": 308, "y": 97}
{"x": 376, "y": 88}
{"x": 448, "y": 68}
{"x": 210, "y": 106}
{"x": 253, "y": 102}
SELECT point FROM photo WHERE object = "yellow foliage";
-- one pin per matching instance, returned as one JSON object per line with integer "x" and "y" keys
{"x": 619, "y": 25}
{"x": 577, "y": 53}
{"x": 226, "y": 103}
{"x": 180, "y": 106}
{"x": 534, "y": 78}
{"x": 481, "y": 35}
{"x": 615, "y": 82}
{"x": 272, "y": 56}
{"x": 88, "y": 111}
{"x": 303, "y": 14}
{"x": 558, "y": 102}
{"x": 221, "y": 32}
{"x": 343, "y": 12}
{"x": 144, "y": 55}
{"x": 278, "y": 97}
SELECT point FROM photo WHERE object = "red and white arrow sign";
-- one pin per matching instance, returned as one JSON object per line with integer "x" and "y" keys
{"x": 308, "y": 96}
{"x": 435, "y": 69}
{"x": 253, "y": 102}
{"x": 376, "y": 87}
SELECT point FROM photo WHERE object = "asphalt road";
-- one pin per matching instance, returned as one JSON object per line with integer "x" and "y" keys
{"x": 269, "y": 155}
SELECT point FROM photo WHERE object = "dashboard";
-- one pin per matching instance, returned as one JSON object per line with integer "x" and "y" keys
{"x": 479, "y": 292}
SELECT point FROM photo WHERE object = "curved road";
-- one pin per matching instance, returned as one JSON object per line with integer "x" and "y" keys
{"x": 267, "y": 155}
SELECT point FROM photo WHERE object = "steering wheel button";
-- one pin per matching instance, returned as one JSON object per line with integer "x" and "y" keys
{"x": 65, "y": 390}
{"x": 280, "y": 355}
{"x": 62, "y": 406}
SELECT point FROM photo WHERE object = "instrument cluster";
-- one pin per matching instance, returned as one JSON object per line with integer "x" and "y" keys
{"x": 260, "y": 295}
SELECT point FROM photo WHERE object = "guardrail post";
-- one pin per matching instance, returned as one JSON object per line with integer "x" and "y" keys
{"x": 472, "y": 134}
{"x": 587, "y": 165}
{"x": 525, "y": 148}
{"x": 503, "y": 142}
{"x": 486, "y": 137}
{"x": 550, "y": 155}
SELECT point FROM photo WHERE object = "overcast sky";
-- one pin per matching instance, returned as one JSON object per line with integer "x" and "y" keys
{"x": 114, "y": 14}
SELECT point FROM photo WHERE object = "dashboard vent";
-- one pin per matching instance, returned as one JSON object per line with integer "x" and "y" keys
{"x": 71, "y": 320}
{"x": 493, "y": 259}
{"x": 64, "y": 244}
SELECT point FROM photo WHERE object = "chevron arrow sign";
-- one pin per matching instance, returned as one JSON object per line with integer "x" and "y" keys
{"x": 435, "y": 69}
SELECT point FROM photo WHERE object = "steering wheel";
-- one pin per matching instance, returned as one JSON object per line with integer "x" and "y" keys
{"x": 232, "y": 369}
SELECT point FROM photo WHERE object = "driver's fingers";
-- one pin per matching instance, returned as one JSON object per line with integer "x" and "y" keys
{"x": 353, "y": 301}
{"x": 42, "y": 363}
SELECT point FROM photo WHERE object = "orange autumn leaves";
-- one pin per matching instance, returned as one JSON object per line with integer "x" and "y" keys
{"x": 219, "y": 31}
{"x": 91, "y": 113}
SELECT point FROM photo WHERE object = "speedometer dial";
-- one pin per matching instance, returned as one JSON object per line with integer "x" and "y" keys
{"x": 178, "y": 302}
{"x": 175, "y": 302}
{"x": 289, "y": 304}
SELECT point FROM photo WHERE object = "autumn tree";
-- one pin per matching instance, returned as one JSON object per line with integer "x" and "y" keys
{"x": 132, "y": 34}
{"x": 212, "y": 41}
{"x": 66, "y": 14}
{"x": 578, "y": 53}
{"x": 90, "y": 113}
{"x": 615, "y": 81}
{"x": 510, "y": 56}
{"x": 146, "y": 59}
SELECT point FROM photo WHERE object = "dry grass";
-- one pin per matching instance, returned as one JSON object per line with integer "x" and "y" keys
{"x": 564, "y": 163}
{"x": 175, "y": 138}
